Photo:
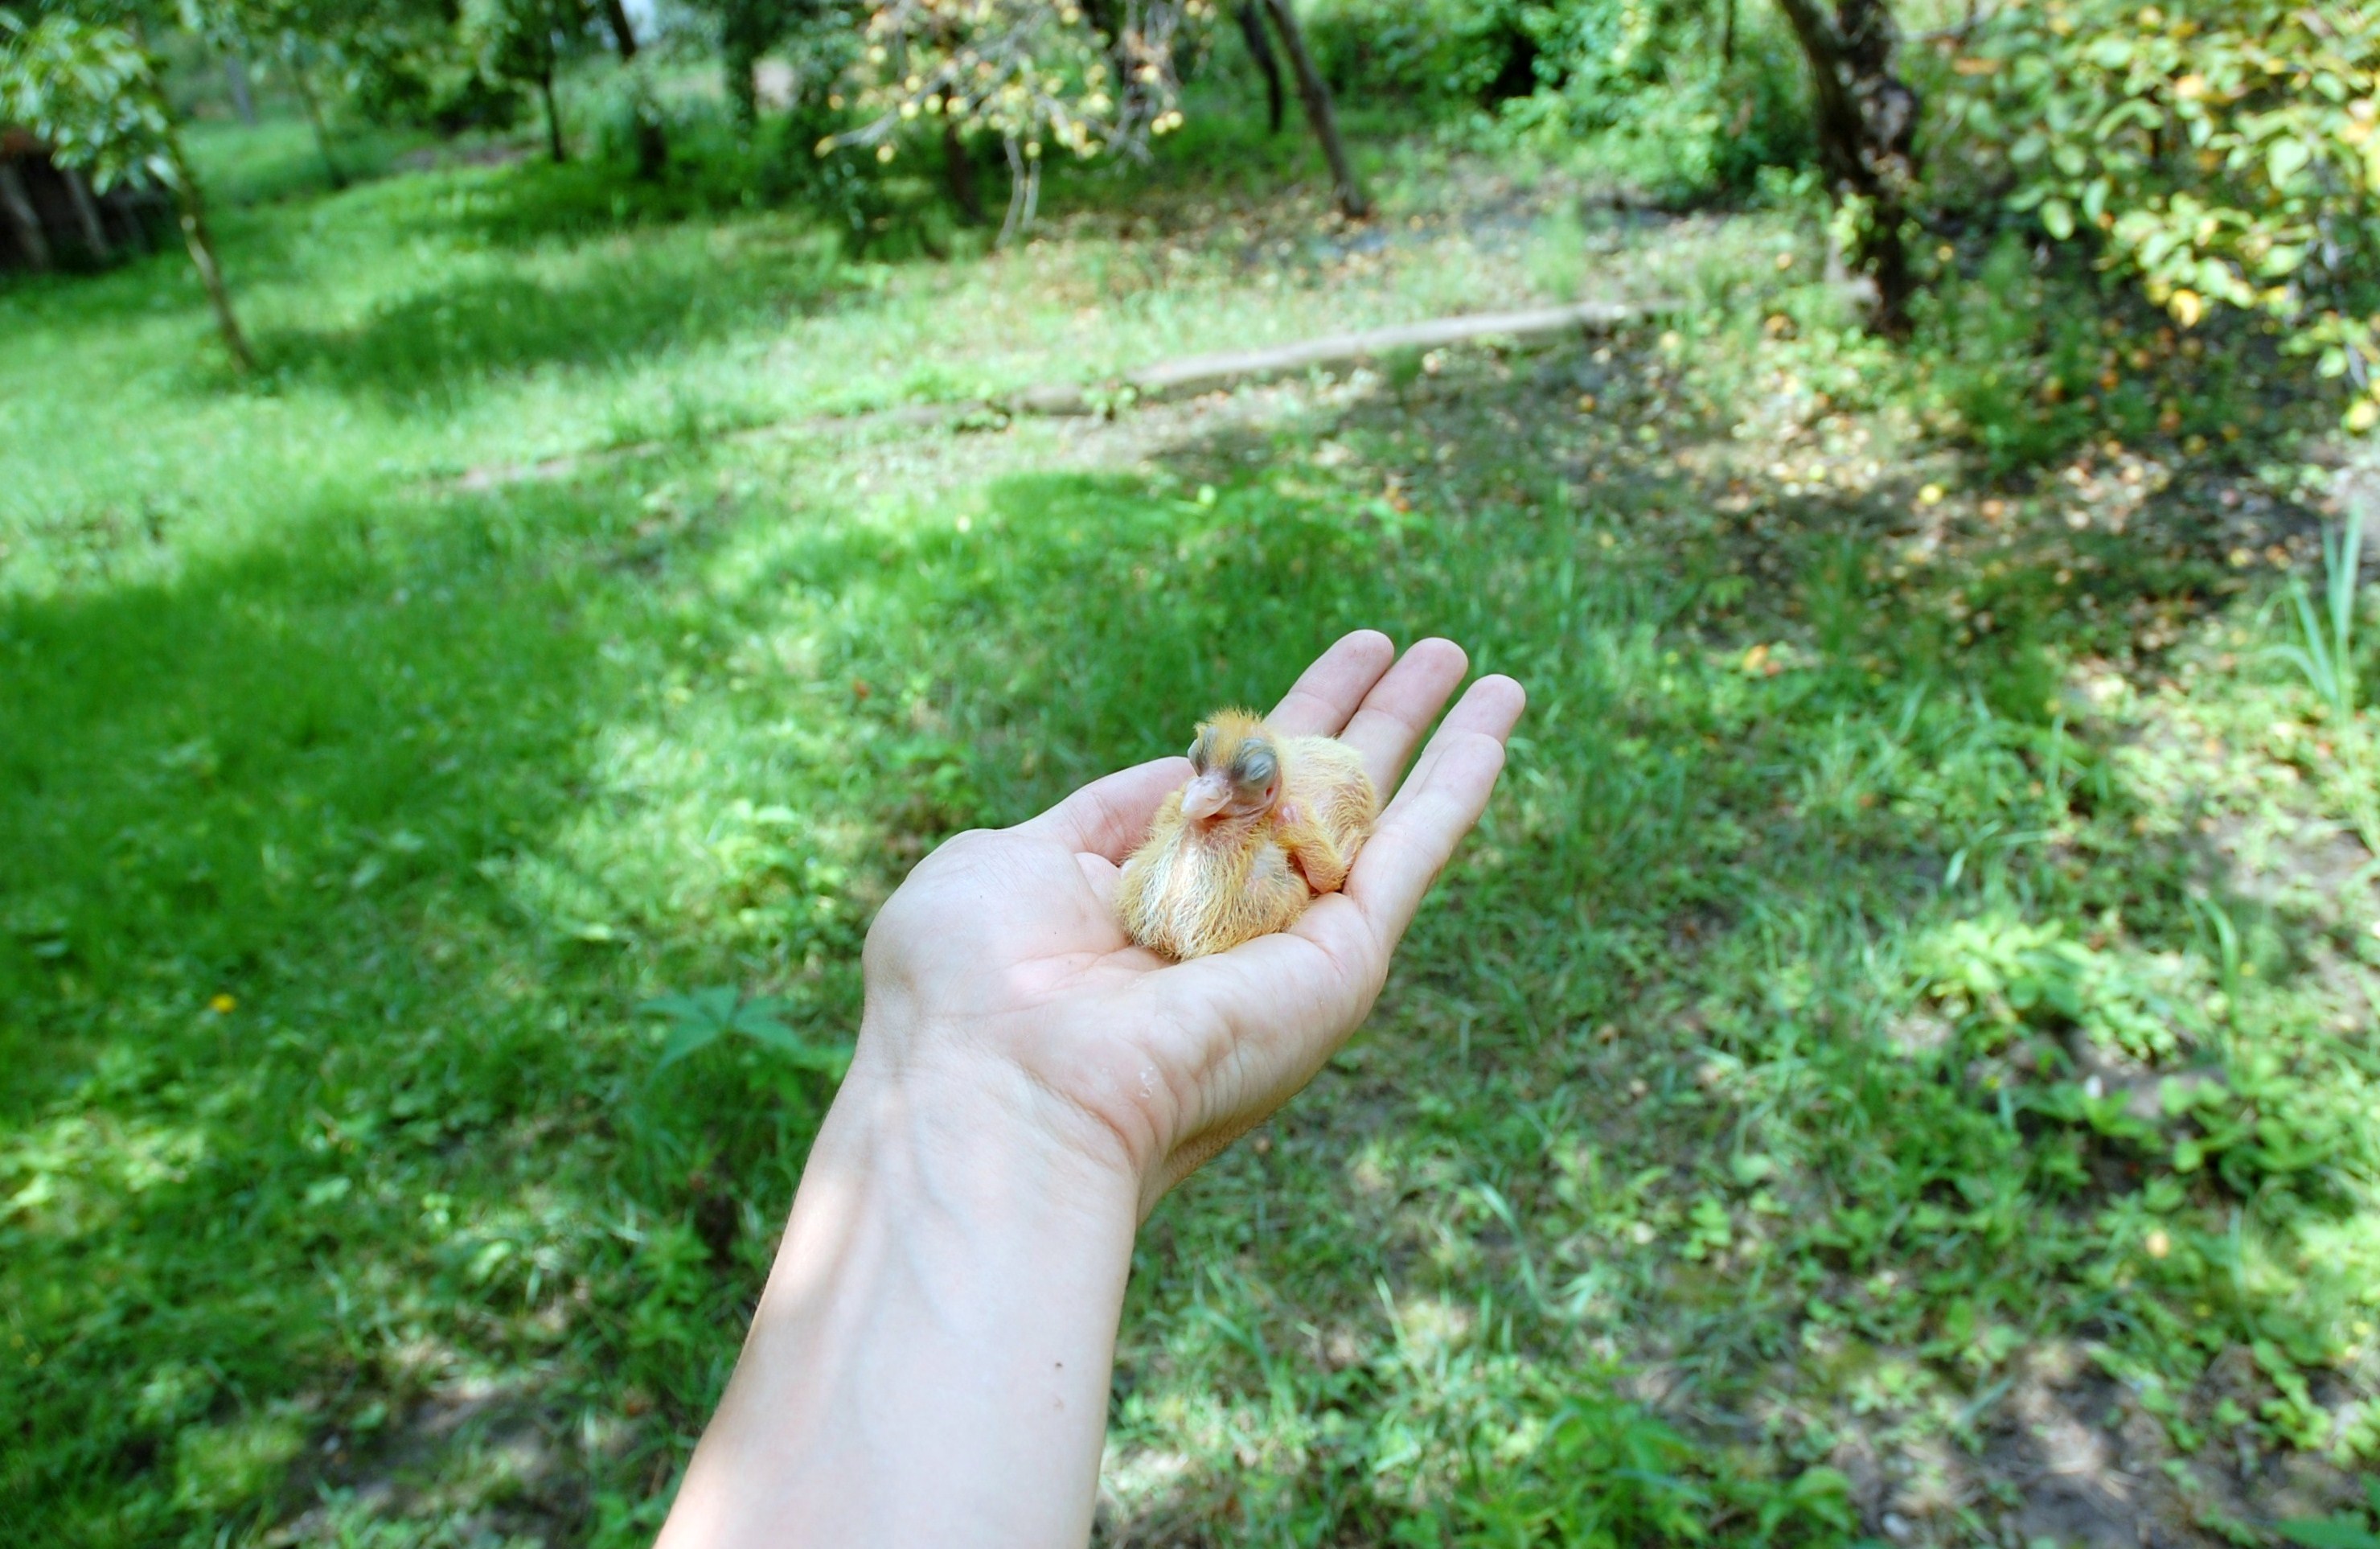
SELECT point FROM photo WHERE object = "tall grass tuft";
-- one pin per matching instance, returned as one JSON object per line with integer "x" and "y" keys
{"x": 2326, "y": 655}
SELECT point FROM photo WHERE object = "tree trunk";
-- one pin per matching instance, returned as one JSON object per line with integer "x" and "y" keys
{"x": 94, "y": 234}
{"x": 1252, "y": 28}
{"x": 1726, "y": 34}
{"x": 191, "y": 207}
{"x": 1317, "y": 98}
{"x": 624, "y": 36}
{"x": 24, "y": 221}
{"x": 652, "y": 146}
{"x": 305, "y": 85}
{"x": 552, "y": 119}
{"x": 1866, "y": 120}
{"x": 1023, "y": 194}
{"x": 243, "y": 100}
{"x": 741, "y": 65}
{"x": 747, "y": 29}
{"x": 958, "y": 172}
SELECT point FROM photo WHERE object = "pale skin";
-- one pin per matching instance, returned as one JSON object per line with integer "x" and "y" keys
{"x": 929, "y": 1362}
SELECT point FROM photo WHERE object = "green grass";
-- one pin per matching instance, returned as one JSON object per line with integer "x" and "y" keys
{"x": 1763, "y": 1131}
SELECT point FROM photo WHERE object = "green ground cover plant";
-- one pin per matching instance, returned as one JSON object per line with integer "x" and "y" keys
{"x": 1896, "y": 1061}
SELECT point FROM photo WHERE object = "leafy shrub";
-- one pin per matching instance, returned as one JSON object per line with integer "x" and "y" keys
{"x": 432, "y": 84}
{"x": 2024, "y": 373}
{"x": 2227, "y": 156}
{"x": 854, "y": 190}
{"x": 624, "y": 107}
{"x": 2038, "y": 975}
{"x": 1696, "y": 132}
{"x": 1668, "y": 105}
{"x": 2007, "y": 374}
{"x": 1438, "y": 52}
{"x": 1608, "y": 1473}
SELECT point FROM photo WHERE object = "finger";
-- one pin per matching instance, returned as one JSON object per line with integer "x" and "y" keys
{"x": 1401, "y": 707}
{"x": 1449, "y": 790}
{"x": 1328, "y": 691}
{"x": 1110, "y": 815}
{"x": 1491, "y": 707}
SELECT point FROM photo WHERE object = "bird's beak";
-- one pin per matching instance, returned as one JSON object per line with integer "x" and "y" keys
{"x": 1205, "y": 796}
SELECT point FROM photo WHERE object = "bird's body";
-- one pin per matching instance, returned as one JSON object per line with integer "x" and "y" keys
{"x": 1266, "y": 825}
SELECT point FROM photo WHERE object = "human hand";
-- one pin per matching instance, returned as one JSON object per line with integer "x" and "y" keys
{"x": 930, "y": 1360}
{"x": 999, "y": 967}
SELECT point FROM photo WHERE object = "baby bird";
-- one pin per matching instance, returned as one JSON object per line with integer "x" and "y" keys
{"x": 1266, "y": 825}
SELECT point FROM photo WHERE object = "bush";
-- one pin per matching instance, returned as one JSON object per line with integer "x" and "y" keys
{"x": 428, "y": 82}
{"x": 1650, "y": 100}
{"x": 1438, "y": 52}
{"x": 2020, "y": 366}
{"x": 2227, "y": 157}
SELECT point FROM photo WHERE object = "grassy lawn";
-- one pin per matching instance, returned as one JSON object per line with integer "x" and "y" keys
{"x": 1898, "y": 1058}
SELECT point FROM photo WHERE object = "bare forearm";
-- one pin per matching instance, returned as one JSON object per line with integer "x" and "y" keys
{"x": 930, "y": 1362}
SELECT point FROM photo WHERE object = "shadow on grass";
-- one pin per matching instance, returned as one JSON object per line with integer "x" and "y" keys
{"x": 889, "y": 214}
{"x": 592, "y": 306}
{"x": 280, "y": 160}
{"x": 271, "y": 968}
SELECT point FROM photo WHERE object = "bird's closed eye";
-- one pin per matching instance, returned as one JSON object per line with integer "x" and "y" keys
{"x": 1254, "y": 765}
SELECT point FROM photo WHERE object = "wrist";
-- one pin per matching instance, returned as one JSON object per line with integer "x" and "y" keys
{"x": 931, "y": 1100}
{"x": 929, "y": 1362}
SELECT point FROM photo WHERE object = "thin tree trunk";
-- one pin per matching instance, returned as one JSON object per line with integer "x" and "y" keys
{"x": 1252, "y": 28}
{"x": 94, "y": 234}
{"x": 305, "y": 85}
{"x": 23, "y": 219}
{"x": 747, "y": 31}
{"x": 958, "y": 173}
{"x": 1023, "y": 194}
{"x": 191, "y": 207}
{"x": 552, "y": 119}
{"x": 1866, "y": 120}
{"x": 742, "y": 68}
{"x": 652, "y": 146}
{"x": 243, "y": 100}
{"x": 1726, "y": 34}
{"x": 1317, "y": 98}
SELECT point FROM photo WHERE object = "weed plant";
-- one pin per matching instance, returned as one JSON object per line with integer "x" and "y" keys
{"x": 2324, "y": 652}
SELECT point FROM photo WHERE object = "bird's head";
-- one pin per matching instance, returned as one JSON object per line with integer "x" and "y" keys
{"x": 1234, "y": 771}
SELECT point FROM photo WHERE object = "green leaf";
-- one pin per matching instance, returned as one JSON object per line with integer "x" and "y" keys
{"x": 686, "y": 1039}
{"x": 766, "y": 1032}
{"x": 2058, "y": 218}
{"x": 703, "y": 1017}
{"x": 2286, "y": 160}
{"x": 714, "y": 1006}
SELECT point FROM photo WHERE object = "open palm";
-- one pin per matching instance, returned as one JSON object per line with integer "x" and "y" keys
{"x": 1003, "y": 947}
